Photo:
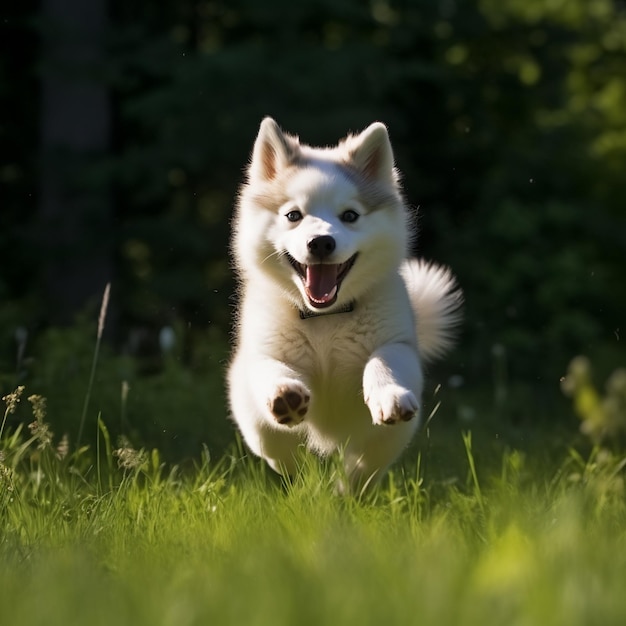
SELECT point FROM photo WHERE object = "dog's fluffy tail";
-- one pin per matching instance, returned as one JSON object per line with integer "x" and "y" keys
{"x": 436, "y": 300}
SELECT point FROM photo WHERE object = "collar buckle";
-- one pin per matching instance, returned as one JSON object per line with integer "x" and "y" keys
{"x": 346, "y": 308}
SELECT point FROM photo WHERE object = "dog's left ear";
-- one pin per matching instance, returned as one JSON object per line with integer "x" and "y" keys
{"x": 371, "y": 153}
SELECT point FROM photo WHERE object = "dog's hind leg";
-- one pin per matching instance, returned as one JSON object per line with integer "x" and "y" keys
{"x": 280, "y": 447}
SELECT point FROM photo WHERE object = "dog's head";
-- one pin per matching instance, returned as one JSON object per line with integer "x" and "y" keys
{"x": 325, "y": 223}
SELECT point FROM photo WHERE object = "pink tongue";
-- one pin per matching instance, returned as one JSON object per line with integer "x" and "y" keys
{"x": 321, "y": 282}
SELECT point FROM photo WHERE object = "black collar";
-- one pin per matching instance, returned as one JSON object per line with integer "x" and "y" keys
{"x": 346, "y": 308}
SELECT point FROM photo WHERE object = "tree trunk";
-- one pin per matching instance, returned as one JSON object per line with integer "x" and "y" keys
{"x": 75, "y": 204}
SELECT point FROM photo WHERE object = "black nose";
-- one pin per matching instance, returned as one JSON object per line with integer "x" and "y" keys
{"x": 321, "y": 246}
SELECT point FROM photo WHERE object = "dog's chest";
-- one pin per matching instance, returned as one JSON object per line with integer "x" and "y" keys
{"x": 332, "y": 349}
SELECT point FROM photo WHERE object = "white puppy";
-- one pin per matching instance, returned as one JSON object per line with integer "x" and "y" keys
{"x": 334, "y": 320}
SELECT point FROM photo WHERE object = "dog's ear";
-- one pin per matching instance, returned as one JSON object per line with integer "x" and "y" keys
{"x": 370, "y": 152}
{"x": 273, "y": 150}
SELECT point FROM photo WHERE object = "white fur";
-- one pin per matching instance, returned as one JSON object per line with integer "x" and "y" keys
{"x": 350, "y": 380}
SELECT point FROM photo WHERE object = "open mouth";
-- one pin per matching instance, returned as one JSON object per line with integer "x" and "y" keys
{"x": 322, "y": 280}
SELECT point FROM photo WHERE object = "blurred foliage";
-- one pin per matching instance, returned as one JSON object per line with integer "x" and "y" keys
{"x": 603, "y": 423}
{"x": 167, "y": 402}
{"x": 509, "y": 125}
{"x": 603, "y": 419}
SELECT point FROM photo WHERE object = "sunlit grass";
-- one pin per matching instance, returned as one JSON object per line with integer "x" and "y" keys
{"x": 120, "y": 538}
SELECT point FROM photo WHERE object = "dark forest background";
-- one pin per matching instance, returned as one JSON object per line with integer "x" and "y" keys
{"x": 125, "y": 128}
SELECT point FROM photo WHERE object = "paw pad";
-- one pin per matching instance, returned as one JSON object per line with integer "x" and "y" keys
{"x": 290, "y": 404}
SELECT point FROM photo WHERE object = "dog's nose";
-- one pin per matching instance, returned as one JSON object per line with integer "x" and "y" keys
{"x": 321, "y": 246}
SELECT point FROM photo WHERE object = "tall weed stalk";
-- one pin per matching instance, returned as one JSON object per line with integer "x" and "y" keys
{"x": 101, "y": 320}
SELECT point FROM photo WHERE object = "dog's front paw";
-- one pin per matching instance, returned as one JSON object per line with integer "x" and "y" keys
{"x": 290, "y": 402}
{"x": 392, "y": 404}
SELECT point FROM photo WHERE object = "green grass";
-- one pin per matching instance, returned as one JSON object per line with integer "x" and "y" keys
{"x": 506, "y": 537}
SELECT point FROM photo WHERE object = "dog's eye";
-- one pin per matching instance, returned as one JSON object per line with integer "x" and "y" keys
{"x": 294, "y": 216}
{"x": 349, "y": 216}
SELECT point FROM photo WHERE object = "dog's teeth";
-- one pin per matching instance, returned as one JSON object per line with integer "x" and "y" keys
{"x": 327, "y": 297}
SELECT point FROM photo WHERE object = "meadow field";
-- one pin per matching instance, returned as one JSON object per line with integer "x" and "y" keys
{"x": 466, "y": 530}
{"x": 126, "y": 132}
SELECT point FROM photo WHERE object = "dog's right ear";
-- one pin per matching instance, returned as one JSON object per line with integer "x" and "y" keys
{"x": 273, "y": 150}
